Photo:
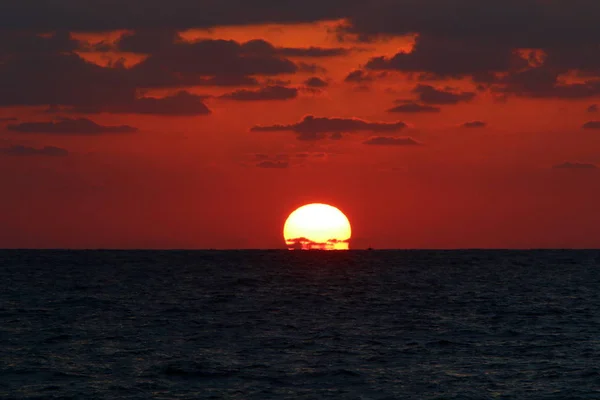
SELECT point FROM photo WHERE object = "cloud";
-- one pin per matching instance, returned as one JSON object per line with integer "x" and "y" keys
{"x": 21, "y": 43}
{"x": 474, "y": 124}
{"x": 273, "y": 164}
{"x": 592, "y": 108}
{"x": 592, "y": 125}
{"x": 303, "y": 243}
{"x": 8, "y": 119}
{"x": 156, "y": 14}
{"x": 390, "y": 141}
{"x": 484, "y": 41}
{"x": 81, "y": 126}
{"x": 575, "y": 165}
{"x": 196, "y": 63}
{"x": 528, "y": 65}
{"x": 358, "y": 76}
{"x": 149, "y": 41}
{"x": 19, "y": 150}
{"x": 544, "y": 82}
{"x": 61, "y": 79}
{"x": 311, "y": 68}
{"x": 581, "y": 57}
{"x": 518, "y": 23}
{"x": 501, "y": 41}
{"x": 430, "y": 95}
{"x": 446, "y": 58}
{"x": 315, "y": 82}
{"x": 307, "y": 155}
{"x": 414, "y": 108}
{"x": 508, "y": 23}
{"x": 173, "y": 62}
{"x": 266, "y": 93}
{"x": 182, "y": 103}
{"x": 159, "y": 41}
{"x": 311, "y": 51}
{"x": 55, "y": 75}
{"x": 314, "y": 128}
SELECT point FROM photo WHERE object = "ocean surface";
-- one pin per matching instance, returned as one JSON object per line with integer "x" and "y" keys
{"x": 300, "y": 325}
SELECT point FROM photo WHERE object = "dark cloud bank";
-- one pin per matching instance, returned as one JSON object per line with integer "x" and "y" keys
{"x": 522, "y": 48}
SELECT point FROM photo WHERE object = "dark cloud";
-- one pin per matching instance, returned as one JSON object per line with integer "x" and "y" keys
{"x": 575, "y": 165}
{"x": 507, "y": 23}
{"x": 207, "y": 62}
{"x": 61, "y": 79}
{"x": 515, "y": 23}
{"x": 358, "y": 76}
{"x": 180, "y": 104}
{"x": 149, "y": 41}
{"x": 446, "y": 58}
{"x": 8, "y": 119}
{"x": 513, "y": 43}
{"x": 466, "y": 38}
{"x": 311, "y": 68}
{"x": 303, "y": 243}
{"x": 81, "y": 126}
{"x": 273, "y": 164}
{"x": 52, "y": 74}
{"x": 414, "y": 108}
{"x": 103, "y": 15}
{"x": 592, "y": 125}
{"x": 543, "y": 82}
{"x": 173, "y": 62}
{"x": 474, "y": 124}
{"x": 311, "y": 51}
{"x": 223, "y": 80}
{"x": 307, "y": 155}
{"x": 19, "y": 150}
{"x": 18, "y": 42}
{"x": 430, "y": 95}
{"x": 315, "y": 82}
{"x": 582, "y": 58}
{"x": 314, "y": 128}
{"x": 390, "y": 141}
{"x": 592, "y": 108}
{"x": 266, "y": 93}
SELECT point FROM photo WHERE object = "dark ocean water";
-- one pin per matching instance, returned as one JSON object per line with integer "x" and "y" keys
{"x": 300, "y": 325}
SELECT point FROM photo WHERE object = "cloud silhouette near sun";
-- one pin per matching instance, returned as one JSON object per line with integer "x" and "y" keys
{"x": 303, "y": 243}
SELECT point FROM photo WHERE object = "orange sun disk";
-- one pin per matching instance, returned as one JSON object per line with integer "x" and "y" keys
{"x": 317, "y": 227}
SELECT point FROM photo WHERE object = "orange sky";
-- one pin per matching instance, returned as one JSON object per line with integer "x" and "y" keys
{"x": 526, "y": 177}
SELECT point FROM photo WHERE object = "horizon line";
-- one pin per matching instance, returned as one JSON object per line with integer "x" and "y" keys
{"x": 212, "y": 249}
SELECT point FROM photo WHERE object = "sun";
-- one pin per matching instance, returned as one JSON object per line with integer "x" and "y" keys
{"x": 317, "y": 227}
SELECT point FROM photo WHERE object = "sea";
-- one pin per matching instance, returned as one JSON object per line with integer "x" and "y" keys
{"x": 300, "y": 324}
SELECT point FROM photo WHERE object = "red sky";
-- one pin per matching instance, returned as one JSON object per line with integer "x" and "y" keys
{"x": 204, "y": 126}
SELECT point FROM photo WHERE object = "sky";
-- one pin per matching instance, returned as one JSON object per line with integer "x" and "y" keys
{"x": 204, "y": 124}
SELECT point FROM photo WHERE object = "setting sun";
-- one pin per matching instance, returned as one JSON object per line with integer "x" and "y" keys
{"x": 317, "y": 227}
